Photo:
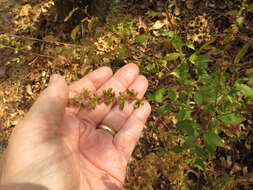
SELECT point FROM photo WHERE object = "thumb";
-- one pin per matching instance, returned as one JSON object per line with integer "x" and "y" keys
{"x": 48, "y": 111}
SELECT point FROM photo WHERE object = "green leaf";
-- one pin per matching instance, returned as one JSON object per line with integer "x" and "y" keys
{"x": 177, "y": 149}
{"x": 198, "y": 98}
{"x": 212, "y": 141}
{"x": 171, "y": 94}
{"x": 234, "y": 68}
{"x": 181, "y": 71}
{"x": 123, "y": 51}
{"x": 142, "y": 38}
{"x": 198, "y": 151}
{"x": 190, "y": 45}
{"x": 189, "y": 142}
{"x": 177, "y": 43}
{"x": 207, "y": 46}
{"x": 162, "y": 152}
{"x": 231, "y": 118}
{"x": 173, "y": 56}
{"x": 200, "y": 164}
{"x": 181, "y": 114}
{"x": 150, "y": 97}
{"x": 163, "y": 109}
{"x": 245, "y": 90}
{"x": 74, "y": 32}
{"x": 228, "y": 37}
{"x": 241, "y": 53}
{"x": 159, "y": 95}
{"x": 198, "y": 59}
{"x": 208, "y": 94}
{"x": 186, "y": 126}
{"x": 166, "y": 33}
{"x": 152, "y": 14}
{"x": 183, "y": 97}
{"x": 214, "y": 123}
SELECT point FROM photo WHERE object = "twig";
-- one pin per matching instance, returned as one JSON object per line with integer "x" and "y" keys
{"x": 45, "y": 41}
{"x": 31, "y": 53}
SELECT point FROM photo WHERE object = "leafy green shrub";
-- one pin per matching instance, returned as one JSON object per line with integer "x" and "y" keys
{"x": 208, "y": 98}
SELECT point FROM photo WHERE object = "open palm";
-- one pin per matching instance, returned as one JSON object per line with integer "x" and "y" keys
{"x": 61, "y": 148}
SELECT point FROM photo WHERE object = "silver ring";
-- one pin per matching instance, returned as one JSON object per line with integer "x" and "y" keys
{"x": 107, "y": 129}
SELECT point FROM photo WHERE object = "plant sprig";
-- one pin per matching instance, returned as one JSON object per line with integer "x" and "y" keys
{"x": 87, "y": 99}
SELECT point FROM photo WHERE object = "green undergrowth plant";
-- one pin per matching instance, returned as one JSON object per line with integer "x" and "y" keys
{"x": 88, "y": 100}
{"x": 210, "y": 97}
{"x": 14, "y": 46}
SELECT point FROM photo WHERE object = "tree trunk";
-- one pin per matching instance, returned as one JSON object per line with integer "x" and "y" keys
{"x": 97, "y": 8}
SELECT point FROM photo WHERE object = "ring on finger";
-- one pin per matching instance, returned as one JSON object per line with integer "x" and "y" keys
{"x": 107, "y": 129}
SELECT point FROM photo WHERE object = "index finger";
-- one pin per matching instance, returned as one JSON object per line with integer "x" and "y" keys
{"x": 91, "y": 81}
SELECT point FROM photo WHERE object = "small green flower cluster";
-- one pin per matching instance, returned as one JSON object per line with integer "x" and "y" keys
{"x": 88, "y": 100}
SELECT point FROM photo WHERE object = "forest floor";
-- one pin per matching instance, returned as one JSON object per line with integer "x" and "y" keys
{"x": 34, "y": 44}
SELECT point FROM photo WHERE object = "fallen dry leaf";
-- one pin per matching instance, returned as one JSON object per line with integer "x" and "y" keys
{"x": 158, "y": 24}
{"x": 29, "y": 89}
{"x": 25, "y": 10}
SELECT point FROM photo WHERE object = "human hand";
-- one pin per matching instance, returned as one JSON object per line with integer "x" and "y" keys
{"x": 59, "y": 148}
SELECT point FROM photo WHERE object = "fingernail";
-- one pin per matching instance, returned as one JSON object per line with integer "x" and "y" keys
{"x": 53, "y": 79}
